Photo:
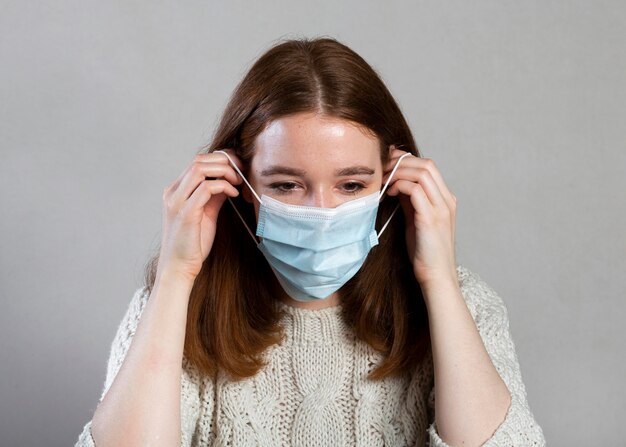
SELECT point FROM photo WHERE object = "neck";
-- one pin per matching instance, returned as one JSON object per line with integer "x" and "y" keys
{"x": 331, "y": 301}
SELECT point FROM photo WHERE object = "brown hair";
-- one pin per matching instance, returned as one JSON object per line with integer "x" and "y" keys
{"x": 232, "y": 317}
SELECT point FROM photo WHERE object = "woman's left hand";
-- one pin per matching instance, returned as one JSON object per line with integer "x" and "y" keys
{"x": 430, "y": 211}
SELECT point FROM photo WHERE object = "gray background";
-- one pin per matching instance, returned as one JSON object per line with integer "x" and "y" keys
{"x": 522, "y": 105}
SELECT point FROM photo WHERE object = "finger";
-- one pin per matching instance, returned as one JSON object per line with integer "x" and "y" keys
{"x": 425, "y": 179}
{"x": 213, "y": 158}
{"x": 416, "y": 193}
{"x": 395, "y": 152}
{"x": 436, "y": 175}
{"x": 207, "y": 189}
{"x": 233, "y": 156}
{"x": 238, "y": 162}
{"x": 394, "y": 158}
{"x": 396, "y": 162}
{"x": 198, "y": 173}
{"x": 429, "y": 164}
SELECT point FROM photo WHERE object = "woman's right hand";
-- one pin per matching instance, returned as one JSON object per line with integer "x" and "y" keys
{"x": 191, "y": 205}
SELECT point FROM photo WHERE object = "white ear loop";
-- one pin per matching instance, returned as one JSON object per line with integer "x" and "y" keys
{"x": 251, "y": 189}
{"x": 382, "y": 191}
{"x": 242, "y": 176}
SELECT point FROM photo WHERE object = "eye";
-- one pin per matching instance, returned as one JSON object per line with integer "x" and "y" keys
{"x": 283, "y": 188}
{"x": 353, "y": 187}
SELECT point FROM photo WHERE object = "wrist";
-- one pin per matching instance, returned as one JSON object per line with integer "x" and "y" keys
{"x": 442, "y": 285}
{"x": 447, "y": 275}
{"x": 170, "y": 276}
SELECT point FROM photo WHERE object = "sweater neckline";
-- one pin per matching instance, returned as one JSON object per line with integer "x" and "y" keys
{"x": 320, "y": 327}
{"x": 299, "y": 311}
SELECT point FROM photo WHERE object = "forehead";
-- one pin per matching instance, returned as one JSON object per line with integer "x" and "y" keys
{"x": 309, "y": 138}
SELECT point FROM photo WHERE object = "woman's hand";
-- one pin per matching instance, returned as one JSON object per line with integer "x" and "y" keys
{"x": 430, "y": 211}
{"x": 191, "y": 204}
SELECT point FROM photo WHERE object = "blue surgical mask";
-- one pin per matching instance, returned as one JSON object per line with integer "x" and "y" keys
{"x": 312, "y": 250}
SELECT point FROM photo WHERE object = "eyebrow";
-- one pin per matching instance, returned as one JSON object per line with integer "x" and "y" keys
{"x": 285, "y": 170}
{"x": 354, "y": 170}
{"x": 278, "y": 169}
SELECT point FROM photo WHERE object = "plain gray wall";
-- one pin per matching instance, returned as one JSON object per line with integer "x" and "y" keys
{"x": 522, "y": 105}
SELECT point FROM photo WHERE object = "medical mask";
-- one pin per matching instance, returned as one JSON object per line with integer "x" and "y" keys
{"x": 314, "y": 251}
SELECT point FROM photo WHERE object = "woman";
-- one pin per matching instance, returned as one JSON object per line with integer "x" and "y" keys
{"x": 325, "y": 302}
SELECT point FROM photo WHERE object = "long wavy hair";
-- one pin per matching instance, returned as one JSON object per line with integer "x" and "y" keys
{"x": 232, "y": 314}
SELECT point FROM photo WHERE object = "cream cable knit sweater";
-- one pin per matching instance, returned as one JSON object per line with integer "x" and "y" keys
{"x": 314, "y": 390}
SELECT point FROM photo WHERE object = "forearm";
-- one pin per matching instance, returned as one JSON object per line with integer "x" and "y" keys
{"x": 142, "y": 406}
{"x": 471, "y": 399}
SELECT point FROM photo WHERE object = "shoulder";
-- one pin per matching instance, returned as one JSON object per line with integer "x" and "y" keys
{"x": 483, "y": 301}
{"x": 138, "y": 302}
{"x": 132, "y": 314}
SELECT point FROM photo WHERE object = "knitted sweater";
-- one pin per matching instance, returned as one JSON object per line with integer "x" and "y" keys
{"x": 314, "y": 390}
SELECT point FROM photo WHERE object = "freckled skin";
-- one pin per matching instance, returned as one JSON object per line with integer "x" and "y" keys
{"x": 319, "y": 145}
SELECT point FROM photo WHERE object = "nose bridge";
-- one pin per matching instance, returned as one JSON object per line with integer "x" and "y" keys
{"x": 320, "y": 196}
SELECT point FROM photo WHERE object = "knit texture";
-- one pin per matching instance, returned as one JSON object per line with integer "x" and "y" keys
{"x": 314, "y": 390}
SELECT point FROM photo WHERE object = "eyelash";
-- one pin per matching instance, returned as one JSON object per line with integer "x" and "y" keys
{"x": 278, "y": 187}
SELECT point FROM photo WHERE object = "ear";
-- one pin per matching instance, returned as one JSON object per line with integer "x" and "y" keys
{"x": 246, "y": 193}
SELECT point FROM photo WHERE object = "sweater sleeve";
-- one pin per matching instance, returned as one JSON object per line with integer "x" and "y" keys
{"x": 489, "y": 312}
{"x": 119, "y": 348}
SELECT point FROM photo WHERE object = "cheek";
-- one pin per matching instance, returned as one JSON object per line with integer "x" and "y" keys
{"x": 371, "y": 189}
